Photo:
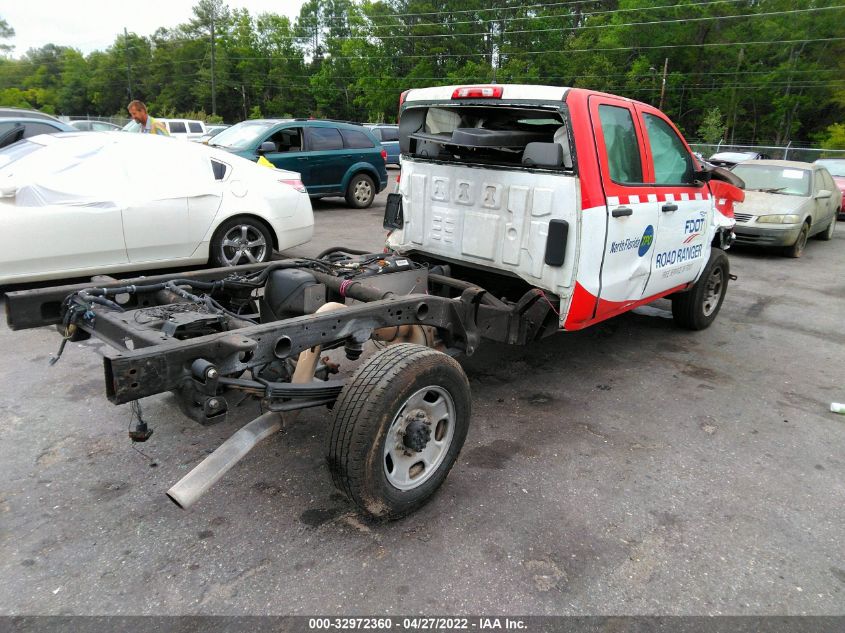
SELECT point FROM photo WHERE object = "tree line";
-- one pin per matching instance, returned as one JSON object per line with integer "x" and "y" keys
{"x": 743, "y": 71}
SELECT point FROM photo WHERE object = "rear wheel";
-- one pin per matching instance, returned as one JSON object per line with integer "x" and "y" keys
{"x": 360, "y": 192}
{"x": 797, "y": 249}
{"x": 697, "y": 308}
{"x": 241, "y": 241}
{"x": 397, "y": 429}
{"x": 827, "y": 234}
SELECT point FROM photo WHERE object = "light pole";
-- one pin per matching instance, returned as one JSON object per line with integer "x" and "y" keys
{"x": 653, "y": 72}
{"x": 243, "y": 97}
{"x": 663, "y": 83}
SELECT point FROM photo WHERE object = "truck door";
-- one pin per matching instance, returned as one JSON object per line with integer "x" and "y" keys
{"x": 683, "y": 231}
{"x": 632, "y": 209}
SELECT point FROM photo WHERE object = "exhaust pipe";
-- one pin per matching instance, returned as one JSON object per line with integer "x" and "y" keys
{"x": 192, "y": 486}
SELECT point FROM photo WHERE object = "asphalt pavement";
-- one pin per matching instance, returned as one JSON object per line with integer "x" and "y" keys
{"x": 631, "y": 468}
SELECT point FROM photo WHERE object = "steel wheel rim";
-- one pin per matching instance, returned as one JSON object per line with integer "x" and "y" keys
{"x": 713, "y": 291}
{"x": 405, "y": 468}
{"x": 243, "y": 241}
{"x": 362, "y": 191}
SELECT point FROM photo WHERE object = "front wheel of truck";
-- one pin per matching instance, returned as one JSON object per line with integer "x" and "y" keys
{"x": 697, "y": 308}
{"x": 397, "y": 429}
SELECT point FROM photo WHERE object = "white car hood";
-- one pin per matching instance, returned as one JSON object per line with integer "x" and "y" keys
{"x": 762, "y": 203}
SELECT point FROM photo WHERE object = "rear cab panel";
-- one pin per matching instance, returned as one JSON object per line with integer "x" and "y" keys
{"x": 477, "y": 203}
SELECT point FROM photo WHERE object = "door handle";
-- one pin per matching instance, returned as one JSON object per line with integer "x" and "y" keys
{"x": 619, "y": 212}
{"x": 669, "y": 207}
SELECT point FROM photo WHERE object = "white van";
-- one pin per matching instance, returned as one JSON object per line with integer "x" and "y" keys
{"x": 189, "y": 129}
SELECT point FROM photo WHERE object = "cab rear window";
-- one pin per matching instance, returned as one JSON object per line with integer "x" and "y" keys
{"x": 508, "y": 136}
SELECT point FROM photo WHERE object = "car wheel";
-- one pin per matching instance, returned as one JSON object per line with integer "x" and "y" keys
{"x": 797, "y": 249}
{"x": 827, "y": 234}
{"x": 241, "y": 241}
{"x": 397, "y": 429}
{"x": 360, "y": 192}
{"x": 697, "y": 308}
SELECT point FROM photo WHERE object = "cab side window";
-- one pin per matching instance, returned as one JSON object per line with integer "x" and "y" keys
{"x": 620, "y": 141}
{"x": 672, "y": 162}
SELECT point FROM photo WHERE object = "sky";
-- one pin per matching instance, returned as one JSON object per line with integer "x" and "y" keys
{"x": 90, "y": 25}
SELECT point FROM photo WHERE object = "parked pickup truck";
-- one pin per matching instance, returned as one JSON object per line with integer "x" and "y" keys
{"x": 521, "y": 211}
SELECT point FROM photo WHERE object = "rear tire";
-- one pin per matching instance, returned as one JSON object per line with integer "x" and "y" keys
{"x": 797, "y": 249}
{"x": 397, "y": 429}
{"x": 697, "y": 308}
{"x": 360, "y": 192}
{"x": 827, "y": 234}
{"x": 241, "y": 241}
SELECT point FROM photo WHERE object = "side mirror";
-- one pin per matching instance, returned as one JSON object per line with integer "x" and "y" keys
{"x": 703, "y": 175}
{"x": 267, "y": 147}
{"x": 8, "y": 191}
{"x": 822, "y": 194}
{"x": 726, "y": 175}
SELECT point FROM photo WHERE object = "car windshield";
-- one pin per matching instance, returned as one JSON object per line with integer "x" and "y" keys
{"x": 835, "y": 167}
{"x": 132, "y": 126}
{"x": 774, "y": 179}
{"x": 242, "y": 135}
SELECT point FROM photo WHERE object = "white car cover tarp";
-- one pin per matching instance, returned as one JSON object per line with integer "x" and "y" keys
{"x": 92, "y": 171}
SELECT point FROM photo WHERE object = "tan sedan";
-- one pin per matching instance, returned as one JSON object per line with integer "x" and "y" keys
{"x": 786, "y": 202}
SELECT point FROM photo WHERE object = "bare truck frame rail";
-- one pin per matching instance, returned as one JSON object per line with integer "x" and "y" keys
{"x": 396, "y": 425}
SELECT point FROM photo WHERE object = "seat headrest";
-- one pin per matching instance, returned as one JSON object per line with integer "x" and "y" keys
{"x": 542, "y": 155}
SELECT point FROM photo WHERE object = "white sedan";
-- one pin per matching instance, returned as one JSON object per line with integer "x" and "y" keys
{"x": 91, "y": 203}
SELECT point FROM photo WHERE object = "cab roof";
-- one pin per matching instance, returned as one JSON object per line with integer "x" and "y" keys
{"x": 509, "y": 92}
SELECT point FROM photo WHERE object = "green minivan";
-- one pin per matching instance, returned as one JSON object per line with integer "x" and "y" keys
{"x": 332, "y": 158}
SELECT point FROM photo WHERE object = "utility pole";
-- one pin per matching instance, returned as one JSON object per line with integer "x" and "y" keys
{"x": 128, "y": 69}
{"x": 733, "y": 94}
{"x": 663, "y": 85}
{"x": 213, "y": 86}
